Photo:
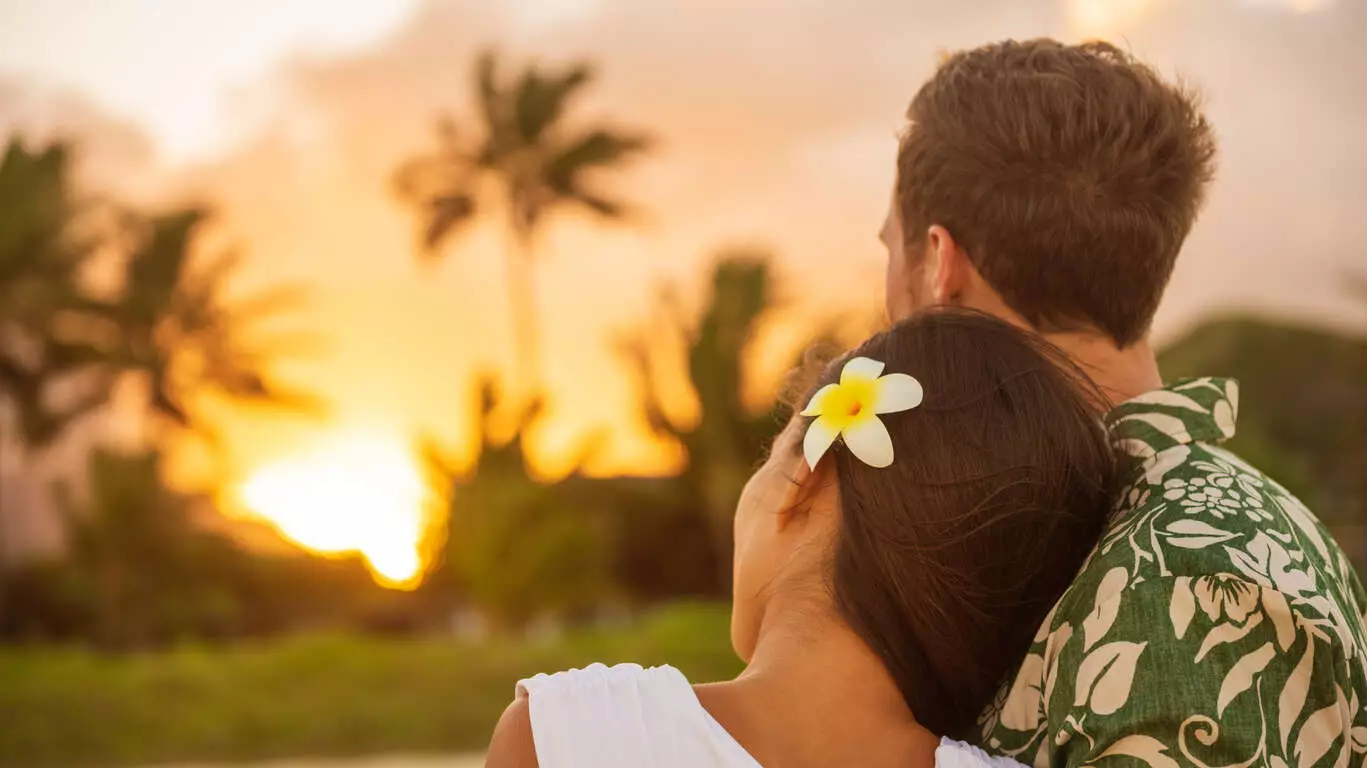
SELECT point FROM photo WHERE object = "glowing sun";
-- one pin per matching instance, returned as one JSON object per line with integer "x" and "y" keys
{"x": 353, "y": 494}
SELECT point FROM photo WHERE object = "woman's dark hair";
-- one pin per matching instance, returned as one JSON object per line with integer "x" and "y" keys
{"x": 947, "y": 561}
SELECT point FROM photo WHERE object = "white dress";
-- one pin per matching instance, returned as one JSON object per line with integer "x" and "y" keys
{"x": 629, "y": 717}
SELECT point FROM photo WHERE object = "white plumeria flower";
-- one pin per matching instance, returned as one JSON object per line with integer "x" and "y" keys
{"x": 850, "y": 410}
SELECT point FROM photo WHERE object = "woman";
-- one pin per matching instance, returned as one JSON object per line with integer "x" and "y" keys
{"x": 894, "y": 556}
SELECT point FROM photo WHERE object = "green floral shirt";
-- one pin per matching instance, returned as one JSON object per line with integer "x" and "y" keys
{"x": 1216, "y": 623}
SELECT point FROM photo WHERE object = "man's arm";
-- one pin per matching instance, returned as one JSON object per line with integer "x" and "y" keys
{"x": 1210, "y": 671}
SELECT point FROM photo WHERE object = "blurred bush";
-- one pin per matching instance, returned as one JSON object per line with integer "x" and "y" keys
{"x": 141, "y": 570}
{"x": 516, "y": 549}
{"x": 329, "y": 695}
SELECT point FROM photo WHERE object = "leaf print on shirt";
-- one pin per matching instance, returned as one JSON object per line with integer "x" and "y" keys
{"x": 1144, "y": 748}
{"x": 1171, "y": 426}
{"x": 1227, "y": 410}
{"x": 1182, "y": 607}
{"x": 1321, "y": 731}
{"x": 1168, "y": 398}
{"x": 1107, "y": 605}
{"x": 1024, "y": 711}
{"x": 1294, "y": 693}
{"x": 1359, "y": 739}
{"x": 1052, "y": 648}
{"x": 1105, "y": 676}
{"x": 1239, "y": 639}
{"x": 1243, "y": 675}
{"x": 1194, "y": 534}
{"x": 1267, "y": 562}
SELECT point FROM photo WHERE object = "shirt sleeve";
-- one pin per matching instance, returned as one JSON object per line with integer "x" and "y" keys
{"x": 1205, "y": 671}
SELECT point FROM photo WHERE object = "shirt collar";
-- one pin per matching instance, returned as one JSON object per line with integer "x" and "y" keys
{"x": 1185, "y": 411}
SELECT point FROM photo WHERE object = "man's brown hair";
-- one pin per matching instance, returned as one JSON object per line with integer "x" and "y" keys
{"x": 1070, "y": 175}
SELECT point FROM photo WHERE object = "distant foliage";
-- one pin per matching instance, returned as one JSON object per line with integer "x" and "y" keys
{"x": 142, "y": 570}
{"x": 515, "y": 549}
{"x": 179, "y": 330}
{"x": 140, "y": 566}
{"x": 730, "y": 438}
{"x": 1302, "y": 409}
{"x": 324, "y": 696}
{"x": 49, "y": 319}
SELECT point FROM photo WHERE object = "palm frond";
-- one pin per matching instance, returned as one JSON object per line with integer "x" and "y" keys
{"x": 181, "y": 330}
{"x": 540, "y": 100}
{"x": 408, "y": 179}
{"x": 241, "y": 376}
{"x": 155, "y": 269}
{"x": 634, "y": 348}
{"x": 95, "y": 395}
{"x": 283, "y": 344}
{"x": 599, "y": 148}
{"x": 68, "y": 357}
{"x": 39, "y": 419}
{"x": 35, "y": 198}
{"x": 451, "y": 166}
{"x": 165, "y": 402}
{"x": 266, "y": 304}
{"x": 444, "y": 214}
{"x": 486, "y": 90}
{"x": 608, "y": 209}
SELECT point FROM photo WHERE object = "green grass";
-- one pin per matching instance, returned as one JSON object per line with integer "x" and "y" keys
{"x": 314, "y": 696}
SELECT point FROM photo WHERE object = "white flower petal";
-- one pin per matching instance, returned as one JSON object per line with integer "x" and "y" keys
{"x": 861, "y": 368}
{"x": 870, "y": 442}
{"x": 897, "y": 392}
{"x": 814, "y": 407}
{"x": 820, "y": 435}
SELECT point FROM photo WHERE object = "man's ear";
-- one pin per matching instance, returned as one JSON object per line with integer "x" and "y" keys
{"x": 807, "y": 488}
{"x": 951, "y": 269}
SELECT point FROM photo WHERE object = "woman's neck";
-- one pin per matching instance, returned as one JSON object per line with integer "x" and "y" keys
{"x": 815, "y": 694}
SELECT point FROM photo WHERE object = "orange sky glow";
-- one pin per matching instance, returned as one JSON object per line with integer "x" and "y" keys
{"x": 776, "y": 125}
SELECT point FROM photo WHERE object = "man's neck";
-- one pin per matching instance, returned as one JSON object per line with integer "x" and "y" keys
{"x": 1121, "y": 374}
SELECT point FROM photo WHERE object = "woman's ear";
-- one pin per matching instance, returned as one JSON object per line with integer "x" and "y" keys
{"x": 808, "y": 493}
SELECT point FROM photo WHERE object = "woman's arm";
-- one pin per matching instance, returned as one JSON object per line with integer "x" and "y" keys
{"x": 512, "y": 746}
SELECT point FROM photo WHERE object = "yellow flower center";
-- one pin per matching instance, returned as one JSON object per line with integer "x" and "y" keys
{"x": 849, "y": 403}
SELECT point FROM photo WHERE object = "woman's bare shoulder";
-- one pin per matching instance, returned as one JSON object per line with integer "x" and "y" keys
{"x": 512, "y": 745}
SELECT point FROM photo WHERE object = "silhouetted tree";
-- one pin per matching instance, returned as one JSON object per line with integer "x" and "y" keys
{"x": 142, "y": 569}
{"x": 182, "y": 332}
{"x": 729, "y": 437}
{"x": 46, "y": 313}
{"x": 512, "y": 547}
{"x": 537, "y": 164}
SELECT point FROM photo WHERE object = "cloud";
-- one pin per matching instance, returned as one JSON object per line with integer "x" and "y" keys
{"x": 113, "y": 153}
{"x": 776, "y": 123}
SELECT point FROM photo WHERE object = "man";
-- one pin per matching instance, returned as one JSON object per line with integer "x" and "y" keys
{"x": 1217, "y": 623}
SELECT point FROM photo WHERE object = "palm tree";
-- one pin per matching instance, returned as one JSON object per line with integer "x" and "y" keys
{"x": 729, "y": 438}
{"x": 180, "y": 330}
{"x": 536, "y": 164}
{"x": 50, "y": 372}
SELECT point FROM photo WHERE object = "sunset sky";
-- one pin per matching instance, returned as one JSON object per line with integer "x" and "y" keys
{"x": 776, "y": 124}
